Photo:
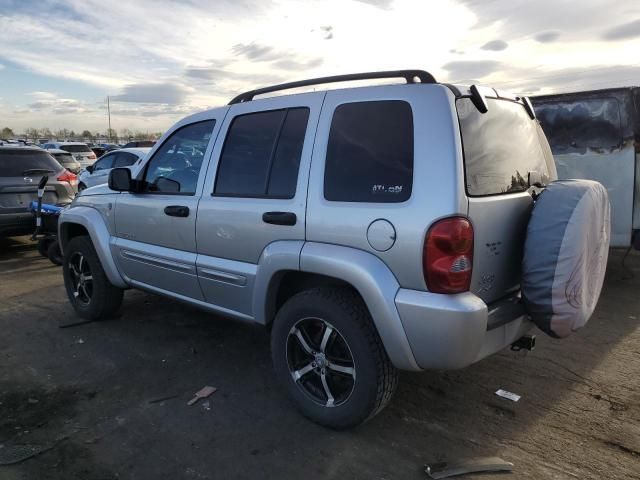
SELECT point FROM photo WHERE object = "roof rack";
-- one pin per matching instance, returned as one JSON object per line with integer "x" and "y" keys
{"x": 409, "y": 75}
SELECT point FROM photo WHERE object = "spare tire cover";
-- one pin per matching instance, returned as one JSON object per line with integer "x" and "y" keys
{"x": 565, "y": 255}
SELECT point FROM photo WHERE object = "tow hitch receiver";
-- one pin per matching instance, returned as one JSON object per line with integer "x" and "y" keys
{"x": 528, "y": 342}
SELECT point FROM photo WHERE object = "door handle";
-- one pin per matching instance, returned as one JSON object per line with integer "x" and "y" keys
{"x": 176, "y": 211}
{"x": 279, "y": 218}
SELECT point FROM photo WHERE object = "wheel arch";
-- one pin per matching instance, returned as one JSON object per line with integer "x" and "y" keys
{"x": 88, "y": 221}
{"x": 290, "y": 267}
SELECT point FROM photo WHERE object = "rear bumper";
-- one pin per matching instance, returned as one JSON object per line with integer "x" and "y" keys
{"x": 16, "y": 224}
{"x": 453, "y": 331}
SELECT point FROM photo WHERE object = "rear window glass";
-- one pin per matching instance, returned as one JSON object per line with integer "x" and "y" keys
{"x": 64, "y": 157}
{"x": 24, "y": 163}
{"x": 75, "y": 148}
{"x": 574, "y": 127}
{"x": 370, "y": 153}
{"x": 500, "y": 147}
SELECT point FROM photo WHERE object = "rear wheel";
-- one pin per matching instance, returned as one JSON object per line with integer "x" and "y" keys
{"x": 54, "y": 253}
{"x": 92, "y": 295}
{"x": 327, "y": 353}
{"x": 43, "y": 246}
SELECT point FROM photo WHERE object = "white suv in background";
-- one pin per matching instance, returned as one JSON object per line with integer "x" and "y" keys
{"x": 80, "y": 151}
{"x": 98, "y": 173}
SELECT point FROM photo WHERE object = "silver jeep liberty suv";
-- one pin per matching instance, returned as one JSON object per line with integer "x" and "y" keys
{"x": 372, "y": 229}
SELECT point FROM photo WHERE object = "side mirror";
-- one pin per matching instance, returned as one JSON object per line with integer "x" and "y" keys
{"x": 89, "y": 168}
{"x": 120, "y": 180}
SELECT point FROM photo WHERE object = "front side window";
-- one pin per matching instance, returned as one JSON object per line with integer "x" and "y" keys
{"x": 261, "y": 154}
{"x": 175, "y": 166}
{"x": 370, "y": 153}
{"x": 104, "y": 163}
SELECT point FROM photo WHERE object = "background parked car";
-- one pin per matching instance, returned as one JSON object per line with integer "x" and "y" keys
{"x": 99, "y": 151}
{"x": 141, "y": 143}
{"x": 21, "y": 168}
{"x": 81, "y": 152}
{"x": 98, "y": 173}
{"x": 66, "y": 159}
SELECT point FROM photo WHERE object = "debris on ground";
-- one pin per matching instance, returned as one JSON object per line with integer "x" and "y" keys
{"x": 32, "y": 401}
{"x": 12, "y": 454}
{"x": 162, "y": 399}
{"x": 463, "y": 467}
{"x": 206, "y": 405}
{"x": 514, "y": 397}
{"x": 202, "y": 393}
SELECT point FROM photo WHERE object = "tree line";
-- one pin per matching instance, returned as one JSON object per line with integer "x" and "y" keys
{"x": 34, "y": 134}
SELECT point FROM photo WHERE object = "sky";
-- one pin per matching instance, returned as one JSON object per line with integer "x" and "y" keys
{"x": 159, "y": 60}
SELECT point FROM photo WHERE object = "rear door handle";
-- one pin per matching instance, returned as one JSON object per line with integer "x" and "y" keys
{"x": 279, "y": 218}
{"x": 176, "y": 211}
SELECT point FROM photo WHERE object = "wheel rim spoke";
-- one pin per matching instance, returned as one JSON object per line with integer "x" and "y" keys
{"x": 328, "y": 330}
{"x": 303, "y": 342}
{"x": 298, "y": 374}
{"x": 342, "y": 369}
{"x": 327, "y": 391}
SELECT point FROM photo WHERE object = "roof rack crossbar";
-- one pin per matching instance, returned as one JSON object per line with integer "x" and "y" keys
{"x": 409, "y": 75}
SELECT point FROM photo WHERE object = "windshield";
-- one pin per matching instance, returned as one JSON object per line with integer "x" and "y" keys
{"x": 501, "y": 147}
{"x": 574, "y": 127}
{"x": 75, "y": 148}
{"x": 22, "y": 163}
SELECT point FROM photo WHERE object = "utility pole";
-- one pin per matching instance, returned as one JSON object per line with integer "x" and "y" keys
{"x": 109, "y": 113}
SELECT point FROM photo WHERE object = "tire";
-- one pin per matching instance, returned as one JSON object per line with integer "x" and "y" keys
{"x": 81, "y": 187}
{"x": 43, "y": 246}
{"x": 54, "y": 253}
{"x": 96, "y": 299}
{"x": 357, "y": 395}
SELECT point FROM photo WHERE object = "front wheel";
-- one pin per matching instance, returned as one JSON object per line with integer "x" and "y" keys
{"x": 92, "y": 295}
{"x": 327, "y": 353}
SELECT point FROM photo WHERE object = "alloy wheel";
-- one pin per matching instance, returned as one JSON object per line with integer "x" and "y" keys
{"x": 320, "y": 362}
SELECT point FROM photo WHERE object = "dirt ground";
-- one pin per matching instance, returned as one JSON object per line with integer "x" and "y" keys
{"x": 93, "y": 394}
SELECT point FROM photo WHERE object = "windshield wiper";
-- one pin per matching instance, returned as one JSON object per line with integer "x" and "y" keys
{"x": 32, "y": 171}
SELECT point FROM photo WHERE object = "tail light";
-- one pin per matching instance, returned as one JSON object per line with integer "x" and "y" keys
{"x": 92, "y": 156}
{"x": 447, "y": 258}
{"x": 69, "y": 177}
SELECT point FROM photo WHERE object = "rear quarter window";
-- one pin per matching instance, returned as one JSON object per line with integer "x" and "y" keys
{"x": 370, "y": 153}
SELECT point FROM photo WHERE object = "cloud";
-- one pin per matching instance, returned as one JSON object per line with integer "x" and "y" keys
{"x": 383, "y": 4}
{"x": 2, "y": 66}
{"x": 624, "y": 31}
{"x": 462, "y": 70}
{"x": 293, "y": 64}
{"x": 262, "y": 53}
{"x": 547, "y": 37}
{"x": 495, "y": 45}
{"x": 165, "y": 93}
{"x": 328, "y": 32}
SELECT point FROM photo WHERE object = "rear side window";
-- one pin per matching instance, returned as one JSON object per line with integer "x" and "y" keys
{"x": 124, "y": 159}
{"x": 261, "y": 154}
{"x": 75, "y": 148}
{"x": 500, "y": 147}
{"x": 24, "y": 163}
{"x": 370, "y": 153}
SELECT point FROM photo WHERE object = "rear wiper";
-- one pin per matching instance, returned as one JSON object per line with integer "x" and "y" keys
{"x": 32, "y": 171}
